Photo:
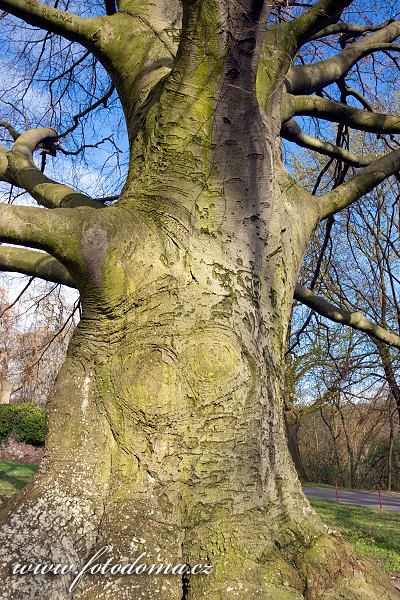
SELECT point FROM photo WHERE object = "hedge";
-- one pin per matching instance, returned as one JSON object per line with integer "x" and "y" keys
{"x": 26, "y": 422}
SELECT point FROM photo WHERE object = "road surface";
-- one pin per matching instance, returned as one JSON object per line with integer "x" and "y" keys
{"x": 368, "y": 499}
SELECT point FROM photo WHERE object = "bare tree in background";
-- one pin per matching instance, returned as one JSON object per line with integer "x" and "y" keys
{"x": 356, "y": 267}
{"x": 35, "y": 328}
{"x": 5, "y": 327}
{"x": 166, "y": 421}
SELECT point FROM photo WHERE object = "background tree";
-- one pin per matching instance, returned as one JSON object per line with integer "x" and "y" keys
{"x": 356, "y": 264}
{"x": 36, "y": 326}
{"x": 5, "y": 326}
{"x": 166, "y": 421}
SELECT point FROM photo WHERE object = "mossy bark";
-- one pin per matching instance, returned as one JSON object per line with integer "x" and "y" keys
{"x": 166, "y": 430}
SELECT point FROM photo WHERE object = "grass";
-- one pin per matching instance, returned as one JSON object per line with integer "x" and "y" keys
{"x": 13, "y": 476}
{"x": 318, "y": 485}
{"x": 373, "y": 534}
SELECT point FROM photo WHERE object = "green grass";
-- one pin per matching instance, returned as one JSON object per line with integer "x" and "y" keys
{"x": 13, "y": 476}
{"x": 318, "y": 485}
{"x": 373, "y": 534}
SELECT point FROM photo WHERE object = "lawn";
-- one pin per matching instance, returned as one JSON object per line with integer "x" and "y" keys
{"x": 13, "y": 476}
{"x": 372, "y": 533}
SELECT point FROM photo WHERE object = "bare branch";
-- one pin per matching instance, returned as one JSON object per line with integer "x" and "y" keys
{"x": 52, "y": 19}
{"x": 320, "y": 16}
{"x": 336, "y": 112}
{"x": 349, "y": 91}
{"x": 359, "y": 185}
{"x": 356, "y": 320}
{"x": 35, "y": 264}
{"x": 348, "y": 28}
{"x": 291, "y": 131}
{"x": 307, "y": 409}
{"x": 17, "y": 167}
{"x": 11, "y": 130}
{"x": 101, "y": 101}
{"x": 309, "y": 78}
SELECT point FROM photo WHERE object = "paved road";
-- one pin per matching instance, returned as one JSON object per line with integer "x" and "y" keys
{"x": 368, "y": 499}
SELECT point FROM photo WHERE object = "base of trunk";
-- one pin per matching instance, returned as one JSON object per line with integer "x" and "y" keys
{"x": 258, "y": 554}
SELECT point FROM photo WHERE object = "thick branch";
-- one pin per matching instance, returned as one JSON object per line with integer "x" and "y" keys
{"x": 35, "y": 264}
{"x": 309, "y": 78}
{"x": 42, "y": 229}
{"x": 320, "y": 108}
{"x": 359, "y": 185}
{"x": 52, "y": 19}
{"x": 347, "y": 28}
{"x": 320, "y": 16}
{"x": 356, "y": 320}
{"x": 17, "y": 167}
{"x": 292, "y": 132}
{"x": 5, "y": 174}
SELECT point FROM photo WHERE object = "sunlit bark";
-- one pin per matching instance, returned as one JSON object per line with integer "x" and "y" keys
{"x": 166, "y": 430}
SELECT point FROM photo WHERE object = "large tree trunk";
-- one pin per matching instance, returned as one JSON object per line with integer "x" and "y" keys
{"x": 166, "y": 436}
{"x": 166, "y": 430}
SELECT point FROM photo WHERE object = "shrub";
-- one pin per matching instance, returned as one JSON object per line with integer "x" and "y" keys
{"x": 26, "y": 422}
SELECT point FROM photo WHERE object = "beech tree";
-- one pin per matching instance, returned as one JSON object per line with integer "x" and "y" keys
{"x": 165, "y": 426}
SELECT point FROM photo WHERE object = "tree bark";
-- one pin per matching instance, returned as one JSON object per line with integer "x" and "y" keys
{"x": 292, "y": 432}
{"x": 292, "y": 417}
{"x": 166, "y": 423}
{"x": 165, "y": 428}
